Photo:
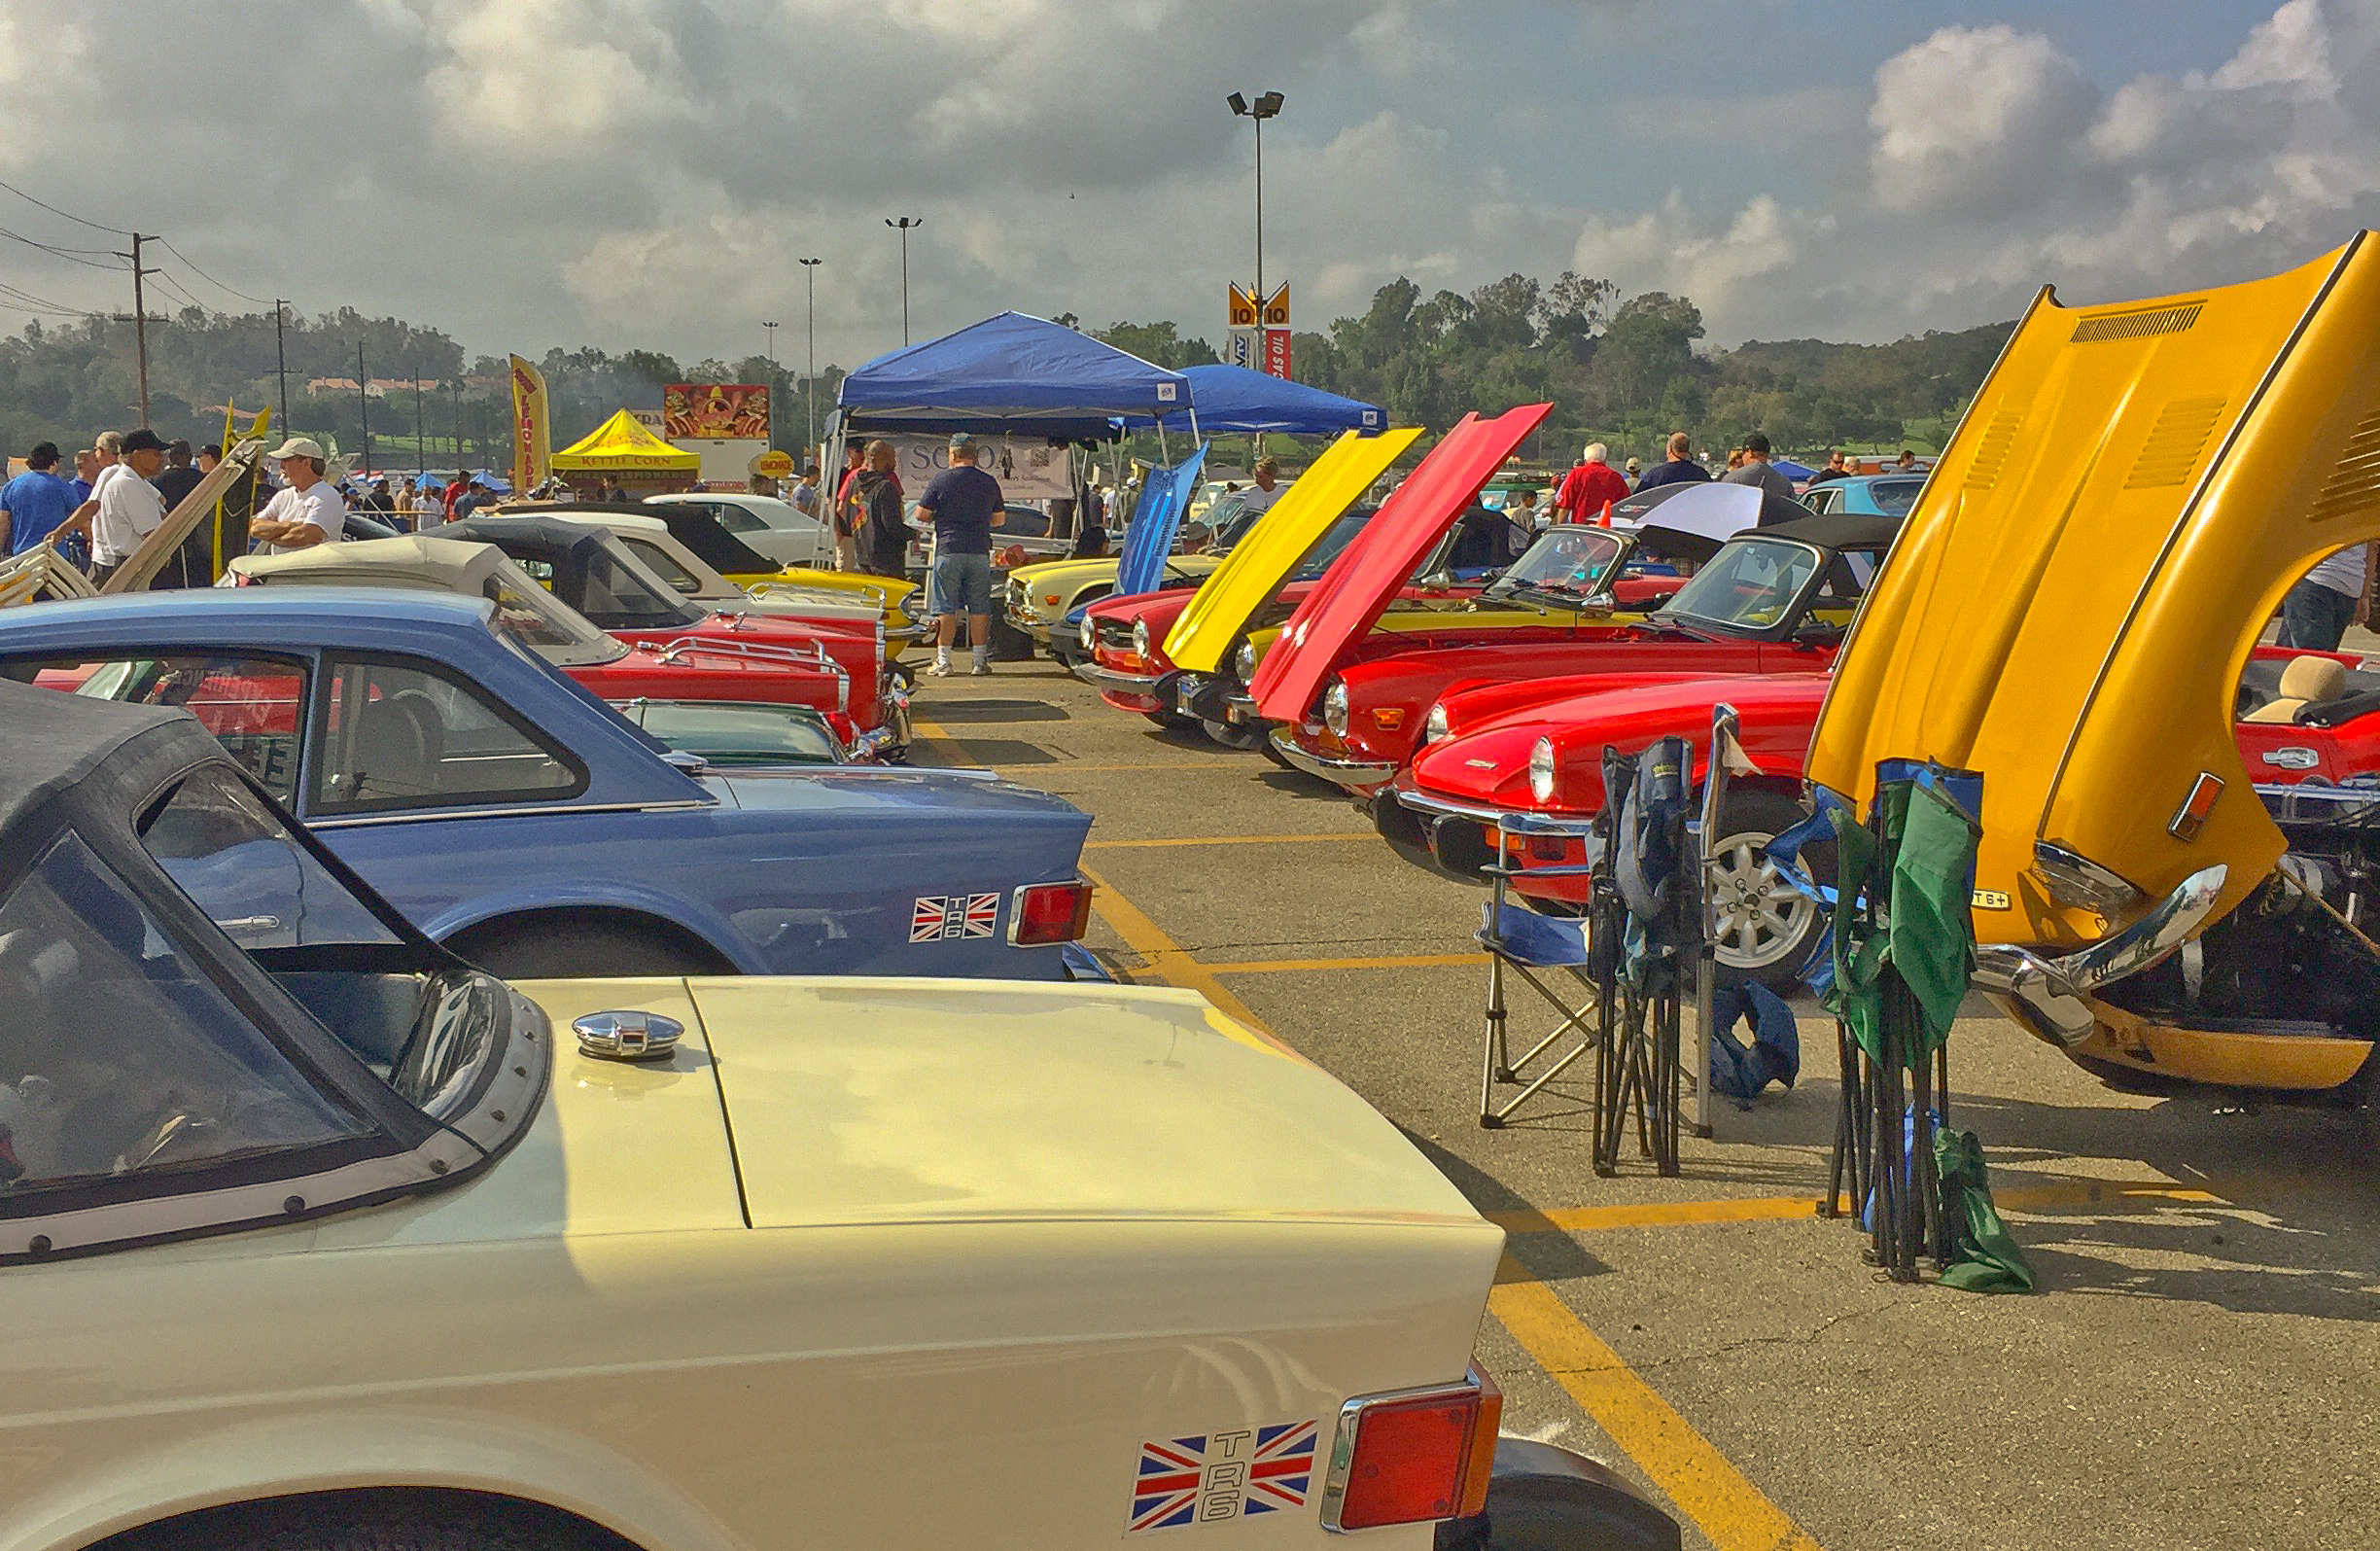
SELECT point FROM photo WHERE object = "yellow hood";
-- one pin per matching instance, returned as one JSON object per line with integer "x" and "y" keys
{"x": 1259, "y": 563}
{"x": 2071, "y": 603}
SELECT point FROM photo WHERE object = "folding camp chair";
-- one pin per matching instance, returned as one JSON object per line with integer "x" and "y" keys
{"x": 1537, "y": 949}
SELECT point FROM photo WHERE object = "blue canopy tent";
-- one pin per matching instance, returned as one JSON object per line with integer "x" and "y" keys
{"x": 1235, "y": 399}
{"x": 1011, "y": 373}
{"x": 1140, "y": 568}
{"x": 1790, "y": 468}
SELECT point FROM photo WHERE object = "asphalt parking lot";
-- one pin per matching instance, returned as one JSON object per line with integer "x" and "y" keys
{"x": 2198, "y": 1371}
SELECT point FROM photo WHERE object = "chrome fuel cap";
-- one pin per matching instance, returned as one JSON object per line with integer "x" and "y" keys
{"x": 627, "y": 1036}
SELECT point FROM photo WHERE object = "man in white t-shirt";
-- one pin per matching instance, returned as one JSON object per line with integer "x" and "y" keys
{"x": 309, "y": 511}
{"x": 129, "y": 506}
{"x": 1260, "y": 496}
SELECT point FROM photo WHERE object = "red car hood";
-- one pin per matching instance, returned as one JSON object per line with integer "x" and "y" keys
{"x": 1369, "y": 571}
{"x": 1490, "y": 764}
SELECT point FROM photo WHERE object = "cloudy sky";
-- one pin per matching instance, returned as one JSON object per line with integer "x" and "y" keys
{"x": 643, "y": 173}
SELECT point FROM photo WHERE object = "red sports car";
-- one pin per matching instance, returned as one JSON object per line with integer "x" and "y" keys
{"x": 541, "y": 623}
{"x": 1772, "y": 600}
{"x": 1516, "y": 770}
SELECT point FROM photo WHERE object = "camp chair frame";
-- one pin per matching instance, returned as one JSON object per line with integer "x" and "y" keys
{"x": 1497, "y": 1064}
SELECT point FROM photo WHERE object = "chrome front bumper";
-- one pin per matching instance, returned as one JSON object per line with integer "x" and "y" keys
{"x": 1356, "y": 775}
{"x": 1512, "y": 820}
{"x": 2051, "y": 990}
{"x": 1111, "y": 679}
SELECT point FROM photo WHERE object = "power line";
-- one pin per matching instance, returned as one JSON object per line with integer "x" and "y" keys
{"x": 56, "y": 211}
{"x": 208, "y": 278}
{"x": 178, "y": 291}
{"x": 67, "y": 254}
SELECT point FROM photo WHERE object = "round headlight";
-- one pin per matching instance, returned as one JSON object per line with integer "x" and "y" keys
{"x": 1541, "y": 770}
{"x": 1141, "y": 639}
{"x": 1244, "y": 660}
{"x": 1090, "y": 634}
{"x": 1434, "y": 727}
{"x": 1335, "y": 708}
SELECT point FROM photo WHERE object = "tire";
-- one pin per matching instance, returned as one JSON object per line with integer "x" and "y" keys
{"x": 1765, "y": 930}
{"x": 368, "y": 1520}
{"x": 1233, "y": 736}
{"x": 546, "y": 949}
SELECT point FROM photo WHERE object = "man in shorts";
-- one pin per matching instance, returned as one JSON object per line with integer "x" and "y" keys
{"x": 965, "y": 505}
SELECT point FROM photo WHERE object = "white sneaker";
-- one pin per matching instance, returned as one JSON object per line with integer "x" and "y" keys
{"x": 940, "y": 670}
{"x": 981, "y": 668}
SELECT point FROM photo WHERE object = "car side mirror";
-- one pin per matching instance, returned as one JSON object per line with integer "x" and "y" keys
{"x": 1438, "y": 581}
{"x": 1601, "y": 603}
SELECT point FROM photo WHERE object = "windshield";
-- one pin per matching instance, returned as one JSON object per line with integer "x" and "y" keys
{"x": 665, "y": 565}
{"x": 619, "y": 594}
{"x": 1750, "y": 585}
{"x": 1568, "y": 562}
{"x": 545, "y": 624}
{"x": 1342, "y": 534}
{"x": 735, "y": 734}
{"x": 120, "y": 1055}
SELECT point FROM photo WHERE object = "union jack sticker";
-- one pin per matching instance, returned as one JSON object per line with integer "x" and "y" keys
{"x": 939, "y": 917}
{"x": 1222, "y": 1475}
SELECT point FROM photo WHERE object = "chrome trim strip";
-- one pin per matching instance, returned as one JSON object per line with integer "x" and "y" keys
{"x": 1350, "y": 1423}
{"x": 2054, "y": 987}
{"x": 1357, "y": 775}
{"x": 423, "y": 814}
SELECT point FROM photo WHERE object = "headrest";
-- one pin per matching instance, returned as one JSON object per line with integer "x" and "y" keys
{"x": 2314, "y": 679}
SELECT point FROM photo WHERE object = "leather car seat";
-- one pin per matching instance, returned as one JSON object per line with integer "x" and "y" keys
{"x": 2308, "y": 681}
{"x": 398, "y": 744}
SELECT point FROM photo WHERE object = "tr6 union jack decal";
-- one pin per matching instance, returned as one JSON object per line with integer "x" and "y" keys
{"x": 938, "y": 917}
{"x": 1222, "y": 1475}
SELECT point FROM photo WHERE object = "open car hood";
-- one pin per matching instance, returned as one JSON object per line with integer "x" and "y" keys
{"x": 2072, "y": 601}
{"x": 1261, "y": 561}
{"x": 1375, "y": 567}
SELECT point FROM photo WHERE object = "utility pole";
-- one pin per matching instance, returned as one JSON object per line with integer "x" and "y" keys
{"x": 421, "y": 451}
{"x": 809, "y": 380}
{"x": 362, "y": 409}
{"x": 140, "y": 321}
{"x": 280, "y": 361}
{"x": 454, "y": 402}
{"x": 906, "y": 225}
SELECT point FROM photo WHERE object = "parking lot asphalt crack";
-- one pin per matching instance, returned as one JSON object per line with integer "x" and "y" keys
{"x": 1728, "y": 1348}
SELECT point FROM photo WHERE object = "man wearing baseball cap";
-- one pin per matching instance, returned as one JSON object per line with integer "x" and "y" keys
{"x": 129, "y": 506}
{"x": 310, "y": 510}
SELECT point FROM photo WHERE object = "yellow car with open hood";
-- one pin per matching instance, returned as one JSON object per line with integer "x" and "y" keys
{"x": 2069, "y": 612}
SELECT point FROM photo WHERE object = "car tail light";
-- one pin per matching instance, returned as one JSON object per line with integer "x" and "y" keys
{"x": 1044, "y": 914}
{"x": 1413, "y": 1456}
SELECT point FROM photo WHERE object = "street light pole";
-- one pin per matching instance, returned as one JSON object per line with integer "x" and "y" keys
{"x": 362, "y": 409}
{"x": 809, "y": 379}
{"x": 1268, "y": 105}
{"x": 905, "y": 224}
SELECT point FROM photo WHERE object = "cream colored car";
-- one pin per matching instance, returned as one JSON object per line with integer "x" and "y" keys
{"x": 310, "y": 1234}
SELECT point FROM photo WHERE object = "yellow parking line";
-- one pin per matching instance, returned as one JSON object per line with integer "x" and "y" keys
{"x": 1226, "y": 839}
{"x": 1407, "y": 961}
{"x": 1698, "y": 1477}
{"x": 1720, "y": 1500}
{"x": 1785, "y": 1209}
{"x": 1167, "y": 959}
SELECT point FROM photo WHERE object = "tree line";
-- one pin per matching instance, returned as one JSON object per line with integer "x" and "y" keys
{"x": 1625, "y": 369}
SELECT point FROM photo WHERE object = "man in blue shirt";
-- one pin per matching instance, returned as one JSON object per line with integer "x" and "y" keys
{"x": 34, "y": 502}
{"x": 965, "y": 505}
{"x": 1679, "y": 467}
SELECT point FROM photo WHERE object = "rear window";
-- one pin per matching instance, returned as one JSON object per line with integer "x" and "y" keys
{"x": 1894, "y": 498}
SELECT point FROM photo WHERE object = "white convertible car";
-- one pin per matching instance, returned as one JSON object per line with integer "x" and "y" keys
{"x": 340, "y": 1243}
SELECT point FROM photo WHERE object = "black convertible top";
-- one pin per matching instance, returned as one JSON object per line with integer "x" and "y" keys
{"x": 1835, "y": 529}
{"x": 502, "y": 528}
{"x": 690, "y": 524}
{"x": 97, "y": 761}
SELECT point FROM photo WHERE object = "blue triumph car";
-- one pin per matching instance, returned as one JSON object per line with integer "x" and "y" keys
{"x": 536, "y": 832}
